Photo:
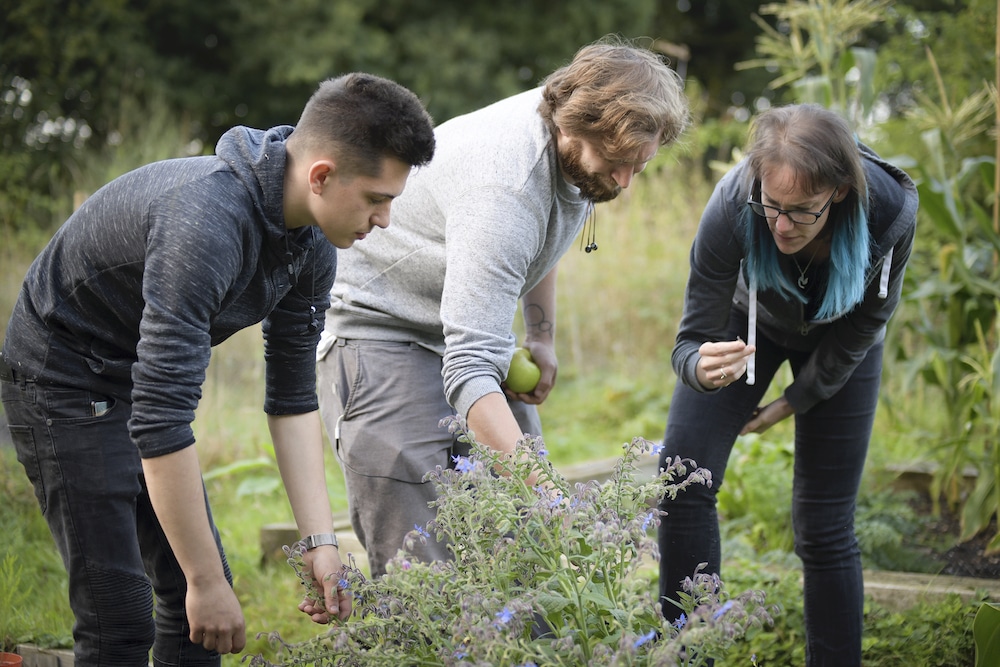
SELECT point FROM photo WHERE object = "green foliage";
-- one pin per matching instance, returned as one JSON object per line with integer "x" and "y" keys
{"x": 887, "y": 526}
{"x": 546, "y": 574}
{"x": 15, "y": 594}
{"x": 784, "y": 643}
{"x": 986, "y": 632}
{"x": 938, "y": 634}
{"x": 33, "y": 600}
{"x": 953, "y": 308}
{"x": 963, "y": 36}
{"x": 815, "y": 52}
{"x": 755, "y": 499}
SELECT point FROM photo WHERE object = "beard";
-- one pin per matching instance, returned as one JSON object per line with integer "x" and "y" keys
{"x": 593, "y": 187}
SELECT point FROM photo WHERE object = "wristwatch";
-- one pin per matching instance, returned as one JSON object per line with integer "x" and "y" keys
{"x": 319, "y": 540}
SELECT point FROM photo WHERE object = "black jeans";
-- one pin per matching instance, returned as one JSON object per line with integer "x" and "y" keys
{"x": 831, "y": 444}
{"x": 87, "y": 476}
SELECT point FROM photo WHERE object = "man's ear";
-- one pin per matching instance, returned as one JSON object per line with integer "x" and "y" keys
{"x": 320, "y": 173}
{"x": 842, "y": 192}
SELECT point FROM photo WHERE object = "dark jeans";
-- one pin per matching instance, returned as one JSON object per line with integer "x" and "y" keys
{"x": 88, "y": 481}
{"x": 831, "y": 443}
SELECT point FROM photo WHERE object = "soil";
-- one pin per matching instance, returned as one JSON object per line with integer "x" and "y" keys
{"x": 963, "y": 559}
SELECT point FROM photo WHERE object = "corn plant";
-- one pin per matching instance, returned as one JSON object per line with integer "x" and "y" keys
{"x": 814, "y": 52}
{"x": 952, "y": 310}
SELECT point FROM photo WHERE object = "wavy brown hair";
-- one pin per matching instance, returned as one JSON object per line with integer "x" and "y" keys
{"x": 616, "y": 95}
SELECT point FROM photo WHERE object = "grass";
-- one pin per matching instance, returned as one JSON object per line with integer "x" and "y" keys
{"x": 618, "y": 311}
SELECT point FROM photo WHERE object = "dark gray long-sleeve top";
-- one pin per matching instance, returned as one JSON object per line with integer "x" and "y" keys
{"x": 717, "y": 284}
{"x": 163, "y": 263}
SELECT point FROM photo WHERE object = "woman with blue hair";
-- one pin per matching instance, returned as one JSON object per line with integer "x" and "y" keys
{"x": 799, "y": 257}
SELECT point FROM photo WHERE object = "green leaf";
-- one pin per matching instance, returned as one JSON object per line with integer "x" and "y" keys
{"x": 552, "y": 603}
{"x": 243, "y": 465}
{"x": 935, "y": 207}
{"x": 979, "y": 507}
{"x": 865, "y": 60}
{"x": 258, "y": 485}
{"x": 816, "y": 89}
{"x": 986, "y": 632}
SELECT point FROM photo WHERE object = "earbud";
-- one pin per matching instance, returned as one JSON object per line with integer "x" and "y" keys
{"x": 314, "y": 323}
{"x": 591, "y": 247}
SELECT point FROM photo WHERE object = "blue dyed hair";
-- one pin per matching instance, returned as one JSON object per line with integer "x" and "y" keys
{"x": 822, "y": 151}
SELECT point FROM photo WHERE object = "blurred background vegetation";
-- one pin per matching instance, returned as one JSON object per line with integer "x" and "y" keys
{"x": 89, "y": 90}
{"x": 79, "y": 79}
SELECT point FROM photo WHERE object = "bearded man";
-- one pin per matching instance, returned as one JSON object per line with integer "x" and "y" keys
{"x": 421, "y": 317}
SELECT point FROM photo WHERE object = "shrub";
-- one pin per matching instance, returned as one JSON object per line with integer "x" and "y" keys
{"x": 544, "y": 574}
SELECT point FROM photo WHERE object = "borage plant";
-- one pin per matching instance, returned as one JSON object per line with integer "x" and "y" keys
{"x": 546, "y": 573}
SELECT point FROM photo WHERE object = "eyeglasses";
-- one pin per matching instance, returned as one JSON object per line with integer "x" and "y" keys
{"x": 798, "y": 217}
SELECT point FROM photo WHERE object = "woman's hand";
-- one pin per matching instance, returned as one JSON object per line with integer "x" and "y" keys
{"x": 722, "y": 363}
{"x": 767, "y": 416}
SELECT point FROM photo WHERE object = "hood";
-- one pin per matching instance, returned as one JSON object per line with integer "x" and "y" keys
{"x": 257, "y": 157}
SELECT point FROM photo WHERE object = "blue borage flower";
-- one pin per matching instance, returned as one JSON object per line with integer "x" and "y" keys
{"x": 504, "y": 616}
{"x": 681, "y": 621}
{"x": 644, "y": 638}
{"x": 420, "y": 530}
{"x": 463, "y": 464}
{"x": 722, "y": 610}
{"x": 657, "y": 448}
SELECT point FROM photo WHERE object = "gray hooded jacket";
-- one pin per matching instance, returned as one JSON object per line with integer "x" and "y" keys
{"x": 160, "y": 265}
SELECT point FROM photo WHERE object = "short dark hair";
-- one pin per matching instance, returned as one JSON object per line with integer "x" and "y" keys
{"x": 361, "y": 119}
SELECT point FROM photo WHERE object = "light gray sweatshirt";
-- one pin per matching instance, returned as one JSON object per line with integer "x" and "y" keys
{"x": 471, "y": 234}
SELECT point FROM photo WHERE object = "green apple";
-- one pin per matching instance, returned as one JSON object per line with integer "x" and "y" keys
{"x": 523, "y": 375}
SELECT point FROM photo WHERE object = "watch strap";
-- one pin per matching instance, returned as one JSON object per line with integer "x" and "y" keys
{"x": 320, "y": 540}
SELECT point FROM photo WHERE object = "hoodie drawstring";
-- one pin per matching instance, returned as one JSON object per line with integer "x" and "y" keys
{"x": 752, "y": 332}
{"x": 883, "y": 283}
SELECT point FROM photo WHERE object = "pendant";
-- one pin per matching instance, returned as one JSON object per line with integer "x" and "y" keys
{"x": 803, "y": 281}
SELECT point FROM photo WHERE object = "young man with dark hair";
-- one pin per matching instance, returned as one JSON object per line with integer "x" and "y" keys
{"x": 106, "y": 352}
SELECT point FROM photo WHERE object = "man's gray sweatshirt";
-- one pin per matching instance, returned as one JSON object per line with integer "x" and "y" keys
{"x": 471, "y": 234}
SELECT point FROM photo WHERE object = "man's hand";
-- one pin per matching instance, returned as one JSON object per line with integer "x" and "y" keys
{"x": 215, "y": 617}
{"x": 544, "y": 357}
{"x": 327, "y": 573}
